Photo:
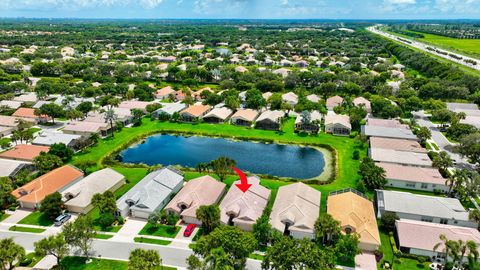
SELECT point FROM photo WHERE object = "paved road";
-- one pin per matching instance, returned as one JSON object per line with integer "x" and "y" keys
{"x": 443, "y": 143}
{"x": 172, "y": 256}
{"x": 423, "y": 47}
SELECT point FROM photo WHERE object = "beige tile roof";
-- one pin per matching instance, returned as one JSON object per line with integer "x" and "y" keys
{"x": 221, "y": 113}
{"x": 357, "y": 213}
{"x": 397, "y": 144}
{"x": 297, "y": 204}
{"x": 90, "y": 127}
{"x": 204, "y": 190}
{"x": 246, "y": 115}
{"x": 334, "y": 101}
{"x": 8, "y": 121}
{"x": 246, "y": 207}
{"x": 400, "y": 157}
{"x": 273, "y": 116}
{"x": 25, "y": 152}
{"x": 391, "y": 123}
{"x": 332, "y": 119}
{"x": 413, "y": 174}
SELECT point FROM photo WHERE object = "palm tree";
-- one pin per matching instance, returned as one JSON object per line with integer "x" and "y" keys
{"x": 110, "y": 117}
{"x": 218, "y": 259}
{"x": 446, "y": 246}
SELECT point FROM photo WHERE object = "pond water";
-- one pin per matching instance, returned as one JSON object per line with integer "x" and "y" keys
{"x": 273, "y": 159}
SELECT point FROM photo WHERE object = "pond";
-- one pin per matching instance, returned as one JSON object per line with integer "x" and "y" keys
{"x": 273, "y": 159}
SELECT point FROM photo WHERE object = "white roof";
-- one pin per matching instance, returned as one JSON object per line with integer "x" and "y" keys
{"x": 51, "y": 137}
{"x": 220, "y": 113}
{"x": 7, "y": 166}
{"x": 97, "y": 182}
{"x": 271, "y": 115}
{"x": 171, "y": 108}
{"x": 421, "y": 205}
{"x": 314, "y": 116}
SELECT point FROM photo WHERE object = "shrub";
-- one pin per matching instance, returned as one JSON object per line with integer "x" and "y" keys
{"x": 394, "y": 245}
{"x": 120, "y": 220}
{"x": 356, "y": 155}
{"x": 26, "y": 261}
{"x": 106, "y": 220}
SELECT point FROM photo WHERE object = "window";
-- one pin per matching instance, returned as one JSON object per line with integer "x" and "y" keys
{"x": 424, "y": 185}
{"x": 427, "y": 219}
{"x": 410, "y": 184}
{"x": 443, "y": 221}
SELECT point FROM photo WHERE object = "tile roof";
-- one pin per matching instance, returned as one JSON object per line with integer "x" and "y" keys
{"x": 388, "y": 132}
{"x": 355, "y": 212}
{"x": 397, "y": 144}
{"x": 196, "y": 110}
{"x": 413, "y": 174}
{"x": 334, "y": 101}
{"x": 273, "y": 116}
{"x": 400, "y": 157}
{"x": 390, "y": 123}
{"x": 36, "y": 190}
{"x": 25, "y": 152}
{"x": 221, "y": 113}
{"x": 245, "y": 114}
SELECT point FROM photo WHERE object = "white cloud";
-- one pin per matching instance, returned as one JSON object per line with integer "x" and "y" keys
{"x": 75, "y": 4}
{"x": 458, "y": 6}
{"x": 399, "y": 2}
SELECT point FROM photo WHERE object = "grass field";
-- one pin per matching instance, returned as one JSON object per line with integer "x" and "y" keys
{"x": 151, "y": 241}
{"x": 25, "y": 229}
{"x": 103, "y": 236}
{"x": 470, "y": 47}
{"x": 160, "y": 230}
{"x": 404, "y": 264}
{"x": 3, "y": 216}
{"x": 36, "y": 218}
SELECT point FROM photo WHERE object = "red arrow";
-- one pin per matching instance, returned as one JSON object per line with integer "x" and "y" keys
{"x": 244, "y": 185}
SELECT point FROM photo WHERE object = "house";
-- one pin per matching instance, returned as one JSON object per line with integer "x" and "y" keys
{"x": 5, "y": 131}
{"x": 217, "y": 115}
{"x": 204, "y": 190}
{"x": 10, "y": 168}
{"x": 152, "y": 193}
{"x": 416, "y": 178}
{"x": 420, "y": 238}
{"x": 337, "y": 124}
{"x": 31, "y": 194}
{"x": 400, "y": 157}
{"x": 270, "y": 120}
{"x": 244, "y": 117}
{"x": 194, "y": 112}
{"x": 295, "y": 210}
{"x": 197, "y": 95}
{"x": 397, "y": 144}
{"x": 242, "y": 209}
{"x": 356, "y": 214}
{"x": 47, "y": 138}
{"x": 290, "y": 98}
{"x": 267, "y": 95}
{"x": 87, "y": 129}
{"x": 314, "y": 122}
{"x": 134, "y": 104}
{"x": 168, "y": 109}
{"x": 313, "y": 98}
{"x": 389, "y": 123}
{"x": 165, "y": 92}
{"x": 432, "y": 209}
{"x": 472, "y": 113}
{"x": 361, "y": 101}
{"x": 78, "y": 197}
{"x": 24, "y": 152}
{"x": 333, "y": 102}
{"x": 30, "y": 97}
{"x": 28, "y": 114}
{"x": 388, "y": 132}
{"x": 8, "y": 121}
{"x": 11, "y": 104}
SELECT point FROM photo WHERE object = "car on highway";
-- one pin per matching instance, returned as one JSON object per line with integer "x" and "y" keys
{"x": 60, "y": 220}
{"x": 189, "y": 230}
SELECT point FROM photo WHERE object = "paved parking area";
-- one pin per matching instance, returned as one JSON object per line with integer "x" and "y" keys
{"x": 129, "y": 230}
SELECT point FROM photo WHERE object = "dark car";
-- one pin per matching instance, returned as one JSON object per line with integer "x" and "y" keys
{"x": 189, "y": 230}
{"x": 60, "y": 220}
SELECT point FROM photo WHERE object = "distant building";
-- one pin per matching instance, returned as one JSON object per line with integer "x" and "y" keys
{"x": 47, "y": 138}
{"x": 337, "y": 124}
{"x": 333, "y": 102}
{"x": 24, "y": 152}
{"x": 270, "y": 120}
{"x": 168, "y": 109}
{"x": 313, "y": 126}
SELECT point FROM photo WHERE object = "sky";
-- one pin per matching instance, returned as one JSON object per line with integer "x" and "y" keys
{"x": 243, "y": 9}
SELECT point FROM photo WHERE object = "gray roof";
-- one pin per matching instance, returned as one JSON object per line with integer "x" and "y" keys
{"x": 49, "y": 138}
{"x": 461, "y": 106}
{"x": 151, "y": 191}
{"x": 171, "y": 108}
{"x": 422, "y": 205}
{"x": 387, "y": 132}
{"x": 9, "y": 167}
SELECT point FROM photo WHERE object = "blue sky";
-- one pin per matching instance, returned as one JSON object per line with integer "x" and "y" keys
{"x": 250, "y": 9}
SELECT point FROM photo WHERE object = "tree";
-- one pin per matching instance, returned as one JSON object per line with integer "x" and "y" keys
{"x": 105, "y": 202}
{"x": 423, "y": 133}
{"x": 446, "y": 246}
{"x": 137, "y": 116}
{"x": 327, "y": 230}
{"x": 80, "y": 234}
{"x": 46, "y": 162}
{"x": 6, "y": 188}
{"x": 218, "y": 259}
{"x": 475, "y": 216}
{"x": 52, "y": 205}
{"x": 62, "y": 151}
{"x": 387, "y": 221}
{"x": 372, "y": 175}
{"x": 144, "y": 259}
{"x": 442, "y": 161}
{"x": 110, "y": 116}
{"x": 52, "y": 110}
{"x": 209, "y": 215}
{"x": 254, "y": 99}
{"x": 262, "y": 230}
{"x": 10, "y": 252}
{"x": 54, "y": 245}
{"x": 470, "y": 147}
{"x": 236, "y": 244}
{"x": 222, "y": 166}
{"x": 292, "y": 254}
{"x": 85, "y": 107}
{"x": 347, "y": 247}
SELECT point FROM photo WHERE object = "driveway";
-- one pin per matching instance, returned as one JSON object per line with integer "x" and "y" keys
{"x": 365, "y": 261}
{"x": 17, "y": 215}
{"x": 184, "y": 241}
{"x": 129, "y": 230}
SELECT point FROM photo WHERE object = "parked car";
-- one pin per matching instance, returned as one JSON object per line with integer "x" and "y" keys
{"x": 189, "y": 230}
{"x": 60, "y": 220}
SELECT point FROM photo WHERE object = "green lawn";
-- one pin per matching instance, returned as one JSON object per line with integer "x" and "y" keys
{"x": 95, "y": 215}
{"x": 103, "y": 236}
{"x": 36, "y": 218}
{"x": 405, "y": 264}
{"x": 345, "y": 172}
{"x": 151, "y": 241}
{"x": 160, "y": 230}
{"x": 469, "y": 47}
{"x": 78, "y": 263}
{"x": 25, "y": 229}
{"x": 30, "y": 260}
{"x": 3, "y": 217}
